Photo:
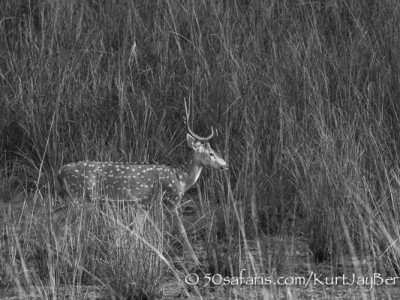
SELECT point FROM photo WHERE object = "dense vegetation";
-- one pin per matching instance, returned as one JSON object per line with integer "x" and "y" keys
{"x": 304, "y": 95}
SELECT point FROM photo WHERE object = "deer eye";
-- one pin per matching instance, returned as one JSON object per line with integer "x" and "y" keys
{"x": 212, "y": 154}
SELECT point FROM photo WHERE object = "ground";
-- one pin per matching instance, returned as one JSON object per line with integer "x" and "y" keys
{"x": 295, "y": 262}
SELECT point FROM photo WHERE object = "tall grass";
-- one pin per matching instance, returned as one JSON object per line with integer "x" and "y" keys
{"x": 303, "y": 94}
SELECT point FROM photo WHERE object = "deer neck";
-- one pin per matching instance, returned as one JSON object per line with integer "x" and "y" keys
{"x": 189, "y": 173}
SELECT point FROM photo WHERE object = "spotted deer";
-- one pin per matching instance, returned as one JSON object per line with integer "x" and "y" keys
{"x": 123, "y": 181}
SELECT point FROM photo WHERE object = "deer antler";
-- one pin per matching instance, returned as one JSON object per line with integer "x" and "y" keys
{"x": 204, "y": 139}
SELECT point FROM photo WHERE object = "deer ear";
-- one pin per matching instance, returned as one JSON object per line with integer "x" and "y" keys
{"x": 191, "y": 141}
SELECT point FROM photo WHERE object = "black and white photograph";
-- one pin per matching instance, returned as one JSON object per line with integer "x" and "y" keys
{"x": 199, "y": 149}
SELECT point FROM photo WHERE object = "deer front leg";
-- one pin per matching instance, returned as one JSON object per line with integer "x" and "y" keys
{"x": 182, "y": 232}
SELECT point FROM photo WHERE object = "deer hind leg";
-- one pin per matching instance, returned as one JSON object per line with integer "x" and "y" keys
{"x": 71, "y": 194}
{"x": 182, "y": 232}
{"x": 66, "y": 189}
